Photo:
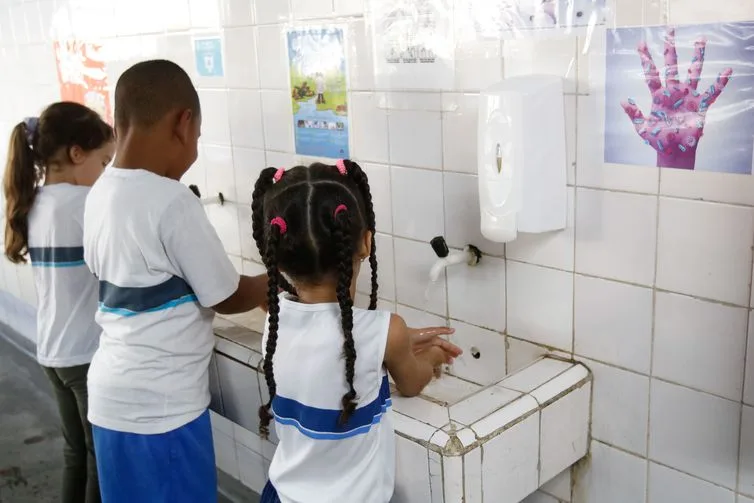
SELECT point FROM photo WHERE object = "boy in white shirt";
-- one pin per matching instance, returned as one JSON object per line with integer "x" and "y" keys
{"x": 163, "y": 273}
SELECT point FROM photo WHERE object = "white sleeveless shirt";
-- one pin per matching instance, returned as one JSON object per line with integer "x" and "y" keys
{"x": 317, "y": 459}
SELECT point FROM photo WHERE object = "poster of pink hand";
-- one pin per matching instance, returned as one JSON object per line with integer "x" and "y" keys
{"x": 656, "y": 116}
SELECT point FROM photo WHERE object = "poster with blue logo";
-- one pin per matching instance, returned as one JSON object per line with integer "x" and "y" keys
{"x": 318, "y": 77}
{"x": 209, "y": 56}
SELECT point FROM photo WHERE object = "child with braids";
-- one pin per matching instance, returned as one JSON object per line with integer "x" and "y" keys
{"x": 325, "y": 361}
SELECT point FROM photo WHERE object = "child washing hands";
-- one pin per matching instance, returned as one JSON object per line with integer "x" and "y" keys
{"x": 326, "y": 362}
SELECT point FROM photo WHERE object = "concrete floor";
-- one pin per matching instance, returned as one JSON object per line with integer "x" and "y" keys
{"x": 31, "y": 447}
{"x": 30, "y": 442}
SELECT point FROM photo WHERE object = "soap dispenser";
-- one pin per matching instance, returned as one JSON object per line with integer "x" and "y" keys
{"x": 522, "y": 157}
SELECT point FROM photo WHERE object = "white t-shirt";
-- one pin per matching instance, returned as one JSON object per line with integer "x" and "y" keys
{"x": 67, "y": 334}
{"x": 317, "y": 460}
{"x": 160, "y": 267}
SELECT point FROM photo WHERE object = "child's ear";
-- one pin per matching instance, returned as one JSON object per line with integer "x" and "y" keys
{"x": 366, "y": 245}
{"x": 184, "y": 127}
{"x": 76, "y": 154}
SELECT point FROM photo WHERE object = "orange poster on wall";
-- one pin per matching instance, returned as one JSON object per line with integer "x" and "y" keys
{"x": 82, "y": 76}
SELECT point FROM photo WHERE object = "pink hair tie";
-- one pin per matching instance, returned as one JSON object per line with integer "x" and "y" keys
{"x": 339, "y": 208}
{"x": 278, "y": 175}
{"x": 280, "y": 223}
{"x": 341, "y": 165}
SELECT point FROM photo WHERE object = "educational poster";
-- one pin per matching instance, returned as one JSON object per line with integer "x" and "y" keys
{"x": 208, "y": 54}
{"x": 82, "y": 76}
{"x": 681, "y": 97}
{"x": 506, "y": 18}
{"x": 413, "y": 44}
{"x": 319, "y": 91}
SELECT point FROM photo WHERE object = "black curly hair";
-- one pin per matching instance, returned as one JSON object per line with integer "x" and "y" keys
{"x": 307, "y": 225}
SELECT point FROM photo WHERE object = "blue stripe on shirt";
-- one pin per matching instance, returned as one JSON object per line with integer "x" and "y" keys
{"x": 324, "y": 424}
{"x": 61, "y": 256}
{"x": 130, "y": 301}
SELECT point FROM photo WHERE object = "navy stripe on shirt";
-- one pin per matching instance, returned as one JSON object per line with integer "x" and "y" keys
{"x": 70, "y": 256}
{"x": 324, "y": 424}
{"x": 130, "y": 301}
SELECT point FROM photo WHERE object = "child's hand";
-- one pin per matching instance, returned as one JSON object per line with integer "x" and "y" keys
{"x": 423, "y": 339}
{"x": 437, "y": 357}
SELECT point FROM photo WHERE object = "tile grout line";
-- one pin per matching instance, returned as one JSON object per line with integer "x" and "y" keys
{"x": 739, "y": 454}
{"x": 652, "y": 337}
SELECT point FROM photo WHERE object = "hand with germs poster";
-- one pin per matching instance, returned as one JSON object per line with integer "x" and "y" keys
{"x": 679, "y": 109}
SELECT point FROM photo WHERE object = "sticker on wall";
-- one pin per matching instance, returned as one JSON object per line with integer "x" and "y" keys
{"x": 506, "y": 18}
{"x": 681, "y": 97}
{"x": 319, "y": 81}
{"x": 208, "y": 54}
{"x": 82, "y": 76}
{"x": 413, "y": 44}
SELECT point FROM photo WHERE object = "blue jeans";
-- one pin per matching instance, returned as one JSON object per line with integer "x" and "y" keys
{"x": 177, "y": 466}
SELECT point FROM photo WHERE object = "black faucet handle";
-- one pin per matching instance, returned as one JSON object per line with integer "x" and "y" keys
{"x": 440, "y": 246}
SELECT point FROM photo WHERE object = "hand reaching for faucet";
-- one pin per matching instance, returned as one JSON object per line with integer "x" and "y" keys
{"x": 679, "y": 109}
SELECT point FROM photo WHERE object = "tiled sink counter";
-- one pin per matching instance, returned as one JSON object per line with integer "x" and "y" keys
{"x": 459, "y": 442}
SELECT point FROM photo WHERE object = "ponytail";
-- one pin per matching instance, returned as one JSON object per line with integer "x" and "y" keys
{"x": 20, "y": 188}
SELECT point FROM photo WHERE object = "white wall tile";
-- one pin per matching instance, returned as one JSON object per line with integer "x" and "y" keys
{"x": 459, "y": 132}
{"x": 417, "y": 217}
{"x": 613, "y": 322}
{"x": 615, "y": 235}
{"x": 509, "y": 464}
{"x": 416, "y": 318}
{"x": 551, "y": 56}
{"x": 704, "y": 249}
{"x": 700, "y": 344}
{"x": 708, "y": 186}
{"x": 488, "y": 346}
{"x": 476, "y": 295}
{"x": 667, "y": 485}
{"x": 620, "y": 407}
{"x": 462, "y": 214}
{"x": 277, "y": 118}
{"x": 522, "y": 353}
{"x": 412, "y": 472}
{"x": 549, "y": 249}
{"x": 359, "y": 54}
{"x": 218, "y": 164}
{"x": 272, "y": 11}
{"x": 746, "y": 463}
{"x": 252, "y": 468}
{"x": 245, "y": 111}
{"x": 560, "y": 486}
{"x": 238, "y": 12}
{"x": 725, "y": 11}
{"x": 749, "y": 370}
{"x": 415, "y": 138}
{"x": 225, "y": 453}
{"x": 564, "y": 434}
{"x": 309, "y": 9}
{"x": 369, "y": 136}
{"x": 349, "y": 7}
{"x": 535, "y": 290}
{"x": 611, "y": 475}
{"x": 242, "y": 69}
{"x": 413, "y": 260}
{"x": 379, "y": 186}
{"x": 385, "y": 269}
{"x": 248, "y": 164}
{"x": 215, "y": 121}
{"x": 273, "y": 58}
{"x": 478, "y": 65}
{"x": 705, "y": 446}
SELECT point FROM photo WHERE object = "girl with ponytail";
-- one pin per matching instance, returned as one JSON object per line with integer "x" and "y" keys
{"x": 326, "y": 361}
{"x": 52, "y": 162}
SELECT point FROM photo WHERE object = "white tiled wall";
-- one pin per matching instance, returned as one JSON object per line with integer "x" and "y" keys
{"x": 650, "y": 284}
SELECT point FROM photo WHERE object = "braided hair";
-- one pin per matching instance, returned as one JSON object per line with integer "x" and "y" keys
{"x": 307, "y": 223}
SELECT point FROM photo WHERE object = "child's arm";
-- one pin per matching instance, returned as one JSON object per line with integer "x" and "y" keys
{"x": 251, "y": 293}
{"x": 411, "y": 372}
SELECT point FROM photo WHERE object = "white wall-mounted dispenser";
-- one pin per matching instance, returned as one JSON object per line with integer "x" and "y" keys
{"x": 522, "y": 157}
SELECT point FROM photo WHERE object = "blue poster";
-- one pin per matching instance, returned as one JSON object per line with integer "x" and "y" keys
{"x": 209, "y": 57}
{"x": 319, "y": 91}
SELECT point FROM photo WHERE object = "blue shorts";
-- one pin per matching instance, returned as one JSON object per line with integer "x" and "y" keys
{"x": 177, "y": 466}
{"x": 269, "y": 495}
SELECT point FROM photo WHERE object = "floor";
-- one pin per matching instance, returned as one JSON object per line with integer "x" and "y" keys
{"x": 30, "y": 442}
